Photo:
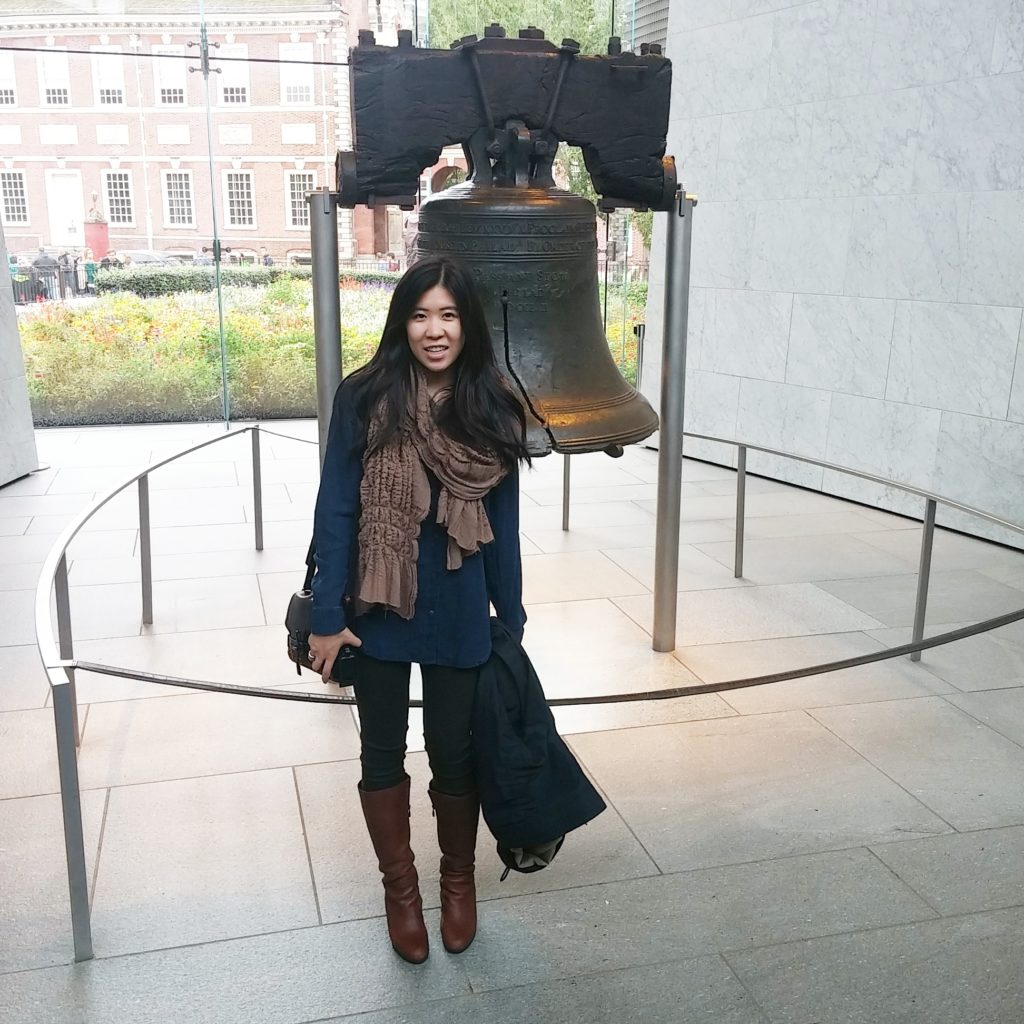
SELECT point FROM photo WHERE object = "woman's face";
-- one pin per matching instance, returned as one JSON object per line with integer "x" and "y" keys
{"x": 435, "y": 334}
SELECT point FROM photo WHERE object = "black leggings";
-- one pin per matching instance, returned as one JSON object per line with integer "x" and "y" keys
{"x": 382, "y": 693}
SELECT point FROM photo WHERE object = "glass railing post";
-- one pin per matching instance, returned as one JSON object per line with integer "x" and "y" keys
{"x": 565, "y": 491}
{"x": 64, "y": 640}
{"x": 923, "y": 574}
{"x": 257, "y": 488}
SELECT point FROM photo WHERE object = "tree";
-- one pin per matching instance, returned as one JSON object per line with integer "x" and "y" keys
{"x": 586, "y": 21}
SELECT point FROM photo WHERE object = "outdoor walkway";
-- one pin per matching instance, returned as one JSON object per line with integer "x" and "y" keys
{"x": 847, "y": 848}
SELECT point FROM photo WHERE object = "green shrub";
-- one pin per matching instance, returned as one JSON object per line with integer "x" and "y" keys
{"x": 151, "y": 281}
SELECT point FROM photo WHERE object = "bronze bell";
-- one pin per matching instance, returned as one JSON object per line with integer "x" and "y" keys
{"x": 533, "y": 251}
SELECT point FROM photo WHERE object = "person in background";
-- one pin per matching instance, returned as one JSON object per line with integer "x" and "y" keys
{"x": 265, "y": 258}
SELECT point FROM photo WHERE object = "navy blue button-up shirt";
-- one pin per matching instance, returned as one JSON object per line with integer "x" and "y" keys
{"x": 451, "y": 619}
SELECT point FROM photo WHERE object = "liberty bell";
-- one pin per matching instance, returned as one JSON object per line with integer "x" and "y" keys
{"x": 531, "y": 246}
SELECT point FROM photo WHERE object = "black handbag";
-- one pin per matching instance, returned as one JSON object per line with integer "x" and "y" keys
{"x": 298, "y": 620}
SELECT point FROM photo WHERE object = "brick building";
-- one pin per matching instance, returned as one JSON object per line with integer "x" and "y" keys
{"x": 121, "y": 128}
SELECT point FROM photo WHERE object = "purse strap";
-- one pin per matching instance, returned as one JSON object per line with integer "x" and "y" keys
{"x": 310, "y": 565}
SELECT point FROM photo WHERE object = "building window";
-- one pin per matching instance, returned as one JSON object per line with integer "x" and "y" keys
{"x": 178, "y": 208}
{"x": 234, "y": 73}
{"x": 55, "y": 78}
{"x": 296, "y": 78}
{"x": 108, "y": 75}
{"x": 119, "y": 197}
{"x": 8, "y": 83}
{"x": 170, "y": 74}
{"x": 299, "y": 184}
{"x": 240, "y": 207}
{"x": 12, "y": 190}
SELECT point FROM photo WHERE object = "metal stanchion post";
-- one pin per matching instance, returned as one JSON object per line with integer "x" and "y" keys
{"x": 323, "y": 230}
{"x": 67, "y": 651}
{"x": 145, "y": 551}
{"x": 257, "y": 488}
{"x": 741, "y": 508}
{"x": 65, "y": 722}
{"x": 670, "y": 444}
{"x": 565, "y": 491}
{"x": 923, "y": 574}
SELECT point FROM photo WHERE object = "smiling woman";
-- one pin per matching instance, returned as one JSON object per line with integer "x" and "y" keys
{"x": 416, "y": 535}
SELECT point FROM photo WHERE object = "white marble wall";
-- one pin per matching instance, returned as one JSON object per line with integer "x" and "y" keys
{"x": 17, "y": 436}
{"x": 858, "y": 249}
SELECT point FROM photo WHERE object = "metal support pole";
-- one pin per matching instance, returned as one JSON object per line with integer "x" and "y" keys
{"x": 923, "y": 574}
{"x": 257, "y": 488}
{"x": 670, "y": 444}
{"x": 741, "y": 509}
{"x": 323, "y": 231}
{"x": 145, "y": 551}
{"x": 66, "y": 725}
{"x": 67, "y": 651}
{"x": 565, "y": 491}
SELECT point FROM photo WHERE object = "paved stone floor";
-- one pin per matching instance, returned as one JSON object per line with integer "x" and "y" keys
{"x": 847, "y": 848}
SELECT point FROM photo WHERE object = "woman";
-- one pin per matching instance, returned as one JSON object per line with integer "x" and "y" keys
{"x": 417, "y": 532}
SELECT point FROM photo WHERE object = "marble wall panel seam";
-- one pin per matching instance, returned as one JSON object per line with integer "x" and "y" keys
{"x": 1018, "y": 370}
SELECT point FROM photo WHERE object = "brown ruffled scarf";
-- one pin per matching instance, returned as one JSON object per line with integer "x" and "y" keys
{"x": 395, "y": 499}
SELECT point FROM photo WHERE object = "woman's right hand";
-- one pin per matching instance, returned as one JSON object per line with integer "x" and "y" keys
{"x": 324, "y": 649}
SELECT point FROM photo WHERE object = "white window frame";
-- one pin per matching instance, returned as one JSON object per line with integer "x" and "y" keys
{"x": 288, "y": 175}
{"x": 297, "y": 76}
{"x": 165, "y": 77}
{"x": 54, "y": 73}
{"x": 225, "y": 185}
{"x": 105, "y": 177}
{"x": 233, "y": 74}
{"x": 166, "y": 198}
{"x": 101, "y": 58}
{"x": 8, "y": 77}
{"x": 3, "y": 208}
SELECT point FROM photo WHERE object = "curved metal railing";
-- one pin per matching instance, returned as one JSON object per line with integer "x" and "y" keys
{"x": 60, "y": 663}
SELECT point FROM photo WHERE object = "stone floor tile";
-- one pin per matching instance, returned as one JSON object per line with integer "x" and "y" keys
{"x": 696, "y": 570}
{"x": 35, "y": 917}
{"x": 743, "y": 789}
{"x": 586, "y": 648}
{"x": 678, "y": 992}
{"x": 23, "y": 682}
{"x": 43, "y": 504}
{"x": 583, "y": 494}
{"x": 752, "y": 613}
{"x": 19, "y": 575}
{"x": 984, "y": 662}
{"x": 630, "y": 924}
{"x": 723, "y": 506}
{"x": 1001, "y": 710}
{"x": 884, "y": 680}
{"x": 950, "y": 551}
{"x": 200, "y": 859}
{"x": 958, "y": 596}
{"x": 17, "y": 617}
{"x": 28, "y": 752}
{"x": 964, "y": 771}
{"x": 252, "y": 656}
{"x": 935, "y": 972}
{"x": 34, "y": 548}
{"x": 808, "y": 558}
{"x": 1012, "y": 575}
{"x": 962, "y": 873}
{"x": 575, "y": 576}
{"x": 309, "y": 974}
{"x": 14, "y": 526}
{"x": 138, "y": 741}
{"x": 32, "y": 483}
{"x": 611, "y": 513}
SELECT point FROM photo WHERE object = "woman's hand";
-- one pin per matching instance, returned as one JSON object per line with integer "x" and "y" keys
{"x": 324, "y": 649}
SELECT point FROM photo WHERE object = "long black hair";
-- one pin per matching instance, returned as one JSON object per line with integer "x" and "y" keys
{"x": 482, "y": 411}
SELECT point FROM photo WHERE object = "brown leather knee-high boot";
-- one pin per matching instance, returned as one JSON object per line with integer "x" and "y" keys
{"x": 387, "y": 820}
{"x": 457, "y": 819}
